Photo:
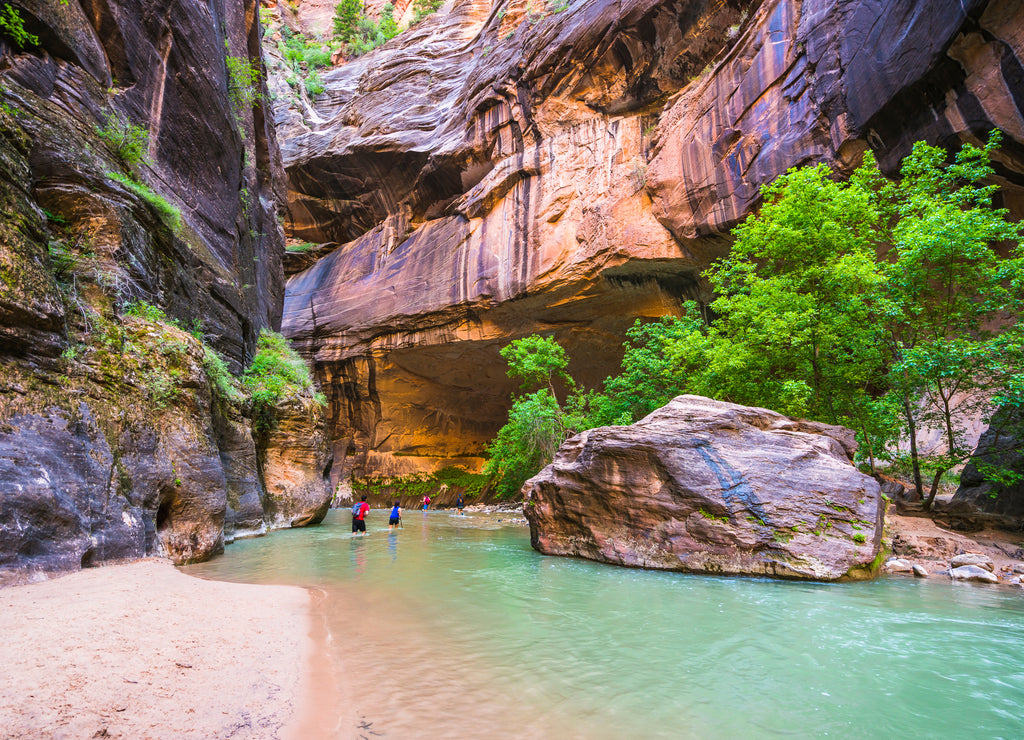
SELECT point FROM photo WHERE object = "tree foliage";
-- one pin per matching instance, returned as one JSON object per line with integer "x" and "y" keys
{"x": 883, "y": 306}
{"x": 12, "y": 25}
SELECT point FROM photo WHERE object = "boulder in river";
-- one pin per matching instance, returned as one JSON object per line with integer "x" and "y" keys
{"x": 972, "y": 573}
{"x": 706, "y": 486}
{"x": 973, "y": 558}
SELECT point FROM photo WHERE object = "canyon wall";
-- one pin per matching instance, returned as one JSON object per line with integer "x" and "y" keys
{"x": 139, "y": 240}
{"x": 515, "y": 167}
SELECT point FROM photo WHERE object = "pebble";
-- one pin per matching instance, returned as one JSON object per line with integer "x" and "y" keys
{"x": 972, "y": 558}
{"x": 972, "y": 573}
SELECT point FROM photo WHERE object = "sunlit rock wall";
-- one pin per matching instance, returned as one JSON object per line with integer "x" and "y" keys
{"x": 503, "y": 169}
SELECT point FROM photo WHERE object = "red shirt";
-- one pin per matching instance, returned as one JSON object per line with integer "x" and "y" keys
{"x": 364, "y": 508}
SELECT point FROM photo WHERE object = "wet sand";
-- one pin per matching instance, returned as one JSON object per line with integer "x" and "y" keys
{"x": 143, "y": 651}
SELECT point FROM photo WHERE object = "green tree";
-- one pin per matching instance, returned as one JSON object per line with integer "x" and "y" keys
{"x": 388, "y": 25}
{"x": 346, "y": 19}
{"x": 537, "y": 423}
{"x": 949, "y": 298}
{"x": 526, "y": 443}
{"x": 797, "y": 298}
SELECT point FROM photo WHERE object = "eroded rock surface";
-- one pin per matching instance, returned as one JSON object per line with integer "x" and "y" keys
{"x": 113, "y": 442}
{"x": 295, "y": 463}
{"x": 710, "y": 487}
{"x": 503, "y": 169}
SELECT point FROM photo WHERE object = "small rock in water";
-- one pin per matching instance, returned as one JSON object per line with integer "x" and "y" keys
{"x": 1015, "y": 581}
{"x": 972, "y": 558}
{"x": 972, "y": 573}
{"x": 920, "y": 571}
{"x": 898, "y": 565}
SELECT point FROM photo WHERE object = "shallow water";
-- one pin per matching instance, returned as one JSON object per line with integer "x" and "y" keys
{"x": 454, "y": 628}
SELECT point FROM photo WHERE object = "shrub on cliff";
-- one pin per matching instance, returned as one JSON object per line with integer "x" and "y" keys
{"x": 12, "y": 25}
{"x": 128, "y": 141}
{"x": 166, "y": 211}
{"x": 276, "y": 372}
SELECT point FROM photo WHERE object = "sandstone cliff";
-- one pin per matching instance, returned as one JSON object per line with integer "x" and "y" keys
{"x": 516, "y": 166}
{"x": 137, "y": 170}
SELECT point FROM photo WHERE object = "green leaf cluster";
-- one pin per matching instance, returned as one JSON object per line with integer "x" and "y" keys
{"x": 167, "y": 212}
{"x": 524, "y": 445}
{"x": 129, "y": 142}
{"x": 12, "y": 25}
{"x": 276, "y": 372}
{"x": 243, "y": 83}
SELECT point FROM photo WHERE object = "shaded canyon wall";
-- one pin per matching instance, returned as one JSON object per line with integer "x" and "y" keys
{"x": 114, "y": 441}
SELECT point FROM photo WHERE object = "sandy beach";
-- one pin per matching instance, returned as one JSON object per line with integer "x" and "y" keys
{"x": 144, "y": 651}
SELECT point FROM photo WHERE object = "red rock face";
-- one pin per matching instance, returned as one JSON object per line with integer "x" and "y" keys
{"x": 710, "y": 487}
{"x": 504, "y": 169}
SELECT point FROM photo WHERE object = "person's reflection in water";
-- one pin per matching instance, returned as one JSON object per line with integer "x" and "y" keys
{"x": 393, "y": 545}
{"x": 358, "y": 551}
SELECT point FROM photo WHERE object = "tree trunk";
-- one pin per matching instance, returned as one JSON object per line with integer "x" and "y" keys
{"x": 914, "y": 462}
{"x": 871, "y": 450}
{"x": 933, "y": 491}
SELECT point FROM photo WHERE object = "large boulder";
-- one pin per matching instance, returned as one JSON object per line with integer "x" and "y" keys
{"x": 711, "y": 487}
{"x": 1000, "y": 447}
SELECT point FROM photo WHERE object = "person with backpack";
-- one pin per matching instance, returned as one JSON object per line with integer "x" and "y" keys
{"x": 359, "y": 512}
{"x": 460, "y": 504}
{"x": 426, "y": 502}
{"x": 395, "y": 519}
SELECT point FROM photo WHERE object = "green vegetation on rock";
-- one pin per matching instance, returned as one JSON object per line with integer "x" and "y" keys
{"x": 882, "y": 306}
{"x": 276, "y": 372}
{"x": 360, "y": 33}
{"x": 12, "y": 25}
{"x": 168, "y": 213}
{"x": 243, "y": 83}
{"x": 421, "y": 484}
{"x": 128, "y": 141}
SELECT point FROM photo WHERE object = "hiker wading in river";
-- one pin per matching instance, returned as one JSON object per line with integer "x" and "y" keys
{"x": 359, "y": 512}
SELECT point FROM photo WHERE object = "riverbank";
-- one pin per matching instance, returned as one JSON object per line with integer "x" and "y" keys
{"x": 144, "y": 651}
{"x": 918, "y": 540}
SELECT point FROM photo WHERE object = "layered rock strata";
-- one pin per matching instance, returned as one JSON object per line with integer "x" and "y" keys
{"x": 137, "y": 168}
{"x": 704, "y": 486}
{"x": 510, "y": 168}
{"x": 295, "y": 463}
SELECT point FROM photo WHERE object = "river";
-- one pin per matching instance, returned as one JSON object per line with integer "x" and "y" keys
{"x": 453, "y": 627}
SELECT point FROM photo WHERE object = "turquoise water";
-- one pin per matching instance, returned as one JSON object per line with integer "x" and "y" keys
{"x": 454, "y": 627}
